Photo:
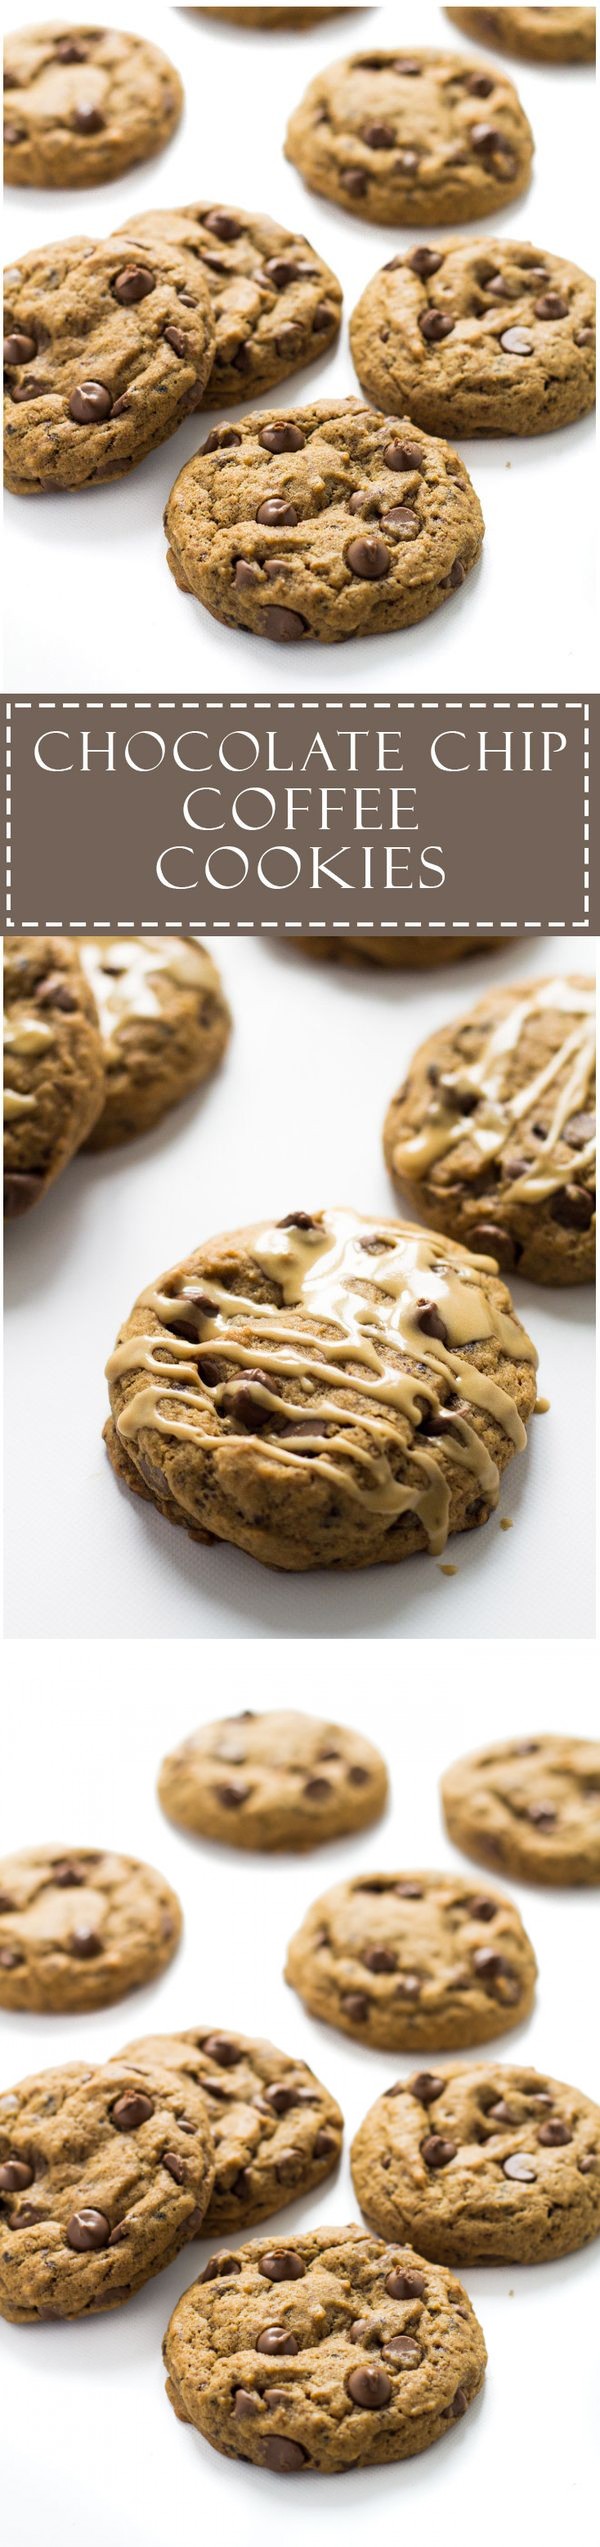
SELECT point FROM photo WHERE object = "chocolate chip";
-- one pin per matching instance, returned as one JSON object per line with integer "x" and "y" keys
{"x": 19, "y": 349}
{"x": 424, "y": 260}
{"x": 487, "y": 1239}
{"x": 408, "y": 1890}
{"x": 369, "y": 558}
{"x": 491, "y": 1968}
{"x": 356, "y": 1776}
{"x": 354, "y": 180}
{"x": 542, "y": 1816}
{"x": 87, "y": 119}
{"x": 438, "y": 2152}
{"x": 479, "y": 1906}
{"x": 284, "y": 2456}
{"x": 175, "y": 2166}
{"x": 223, "y": 224}
{"x": 486, "y": 139}
{"x": 28, "y": 388}
{"x": 407, "y": 69}
{"x": 90, "y": 403}
{"x": 426, "y": 2086}
{"x": 67, "y": 52}
{"x": 368, "y": 2388}
{"x": 15, "y": 2174}
{"x": 551, "y": 306}
{"x": 502, "y": 2113}
{"x": 275, "y": 512}
{"x": 403, "y": 2351}
{"x": 456, "y": 576}
{"x": 554, "y": 2135}
{"x": 245, "y": 2403}
{"x": 220, "y": 2049}
{"x": 221, "y": 438}
{"x": 283, "y": 625}
{"x": 377, "y": 1959}
{"x": 356, "y": 2007}
{"x": 245, "y": 574}
{"x": 515, "y": 341}
{"x": 233, "y": 1795}
{"x": 297, "y": 1220}
{"x": 220, "y": 2266}
{"x": 276, "y": 2339}
{"x": 26, "y": 2218}
{"x": 85, "y": 1944}
{"x": 586, "y": 2164}
{"x": 378, "y": 136}
{"x": 520, "y": 2167}
{"x": 6, "y": 1902}
{"x": 281, "y": 437}
{"x": 173, "y": 336}
{"x": 584, "y": 336}
{"x": 406, "y": 162}
{"x": 317, "y": 1789}
{"x": 401, "y": 520}
{"x": 323, "y": 2144}
{"x": 403, "y": 455}
{"x": 434, "y": 325}
{"x": 405, "y": 2285}
{"x": 87, "y": 2230}
{"x": 322, "y": 318}
{"x": 572, "y": 1207}
{"x": 359, "y": 2331}
{"x": 9, "y": 1960}
{"x": 66, "y": 1875}
{"x": 479, "y": 85}
{"x": 131, "y": 2110}
{"x": 281, "y": 2264}
{"x": 579, "y": 1130}
{"x": 459, "y": 2404}
{"x": 430, "y": 1323}
{"x": 133, "y": 283}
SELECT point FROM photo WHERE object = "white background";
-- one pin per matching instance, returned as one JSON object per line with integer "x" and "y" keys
{"x": 93, "y": 2451}
{"x": 92, "y": 602}
{"x": 293, "y": 1120}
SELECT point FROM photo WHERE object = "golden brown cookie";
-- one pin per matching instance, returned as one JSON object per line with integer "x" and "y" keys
{"x": 81, "y": 103}
{"x": 164, "y": 1023}
{"x": 276, "y": 304}
{"x": 411, "y": 138}
{"x": 478, "y": 336}
{"x": 529, "y": 1808}
{"x": 412, "y": 1962}
{"x": 108, "y": 346}
{"x": 402, "y": 952}
{"x": 80, "y": 1927}
{"x": 276, "y": 1781}
{"x": 54, "y": 1075}
{"x": 104, "y": 2175}
{"x": 481, "y": 2166}
{"x": 276, "y": 2132}
{"x": 539, "y": 35}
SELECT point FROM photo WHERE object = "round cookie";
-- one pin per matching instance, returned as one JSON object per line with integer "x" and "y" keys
{"x": 481, "y": 336}
{"x": 80, "y": 1927}
{"x": 412, "y": 138}
{"x": 104, "y": 2175}
{"x": 402, "y": 952}
{"x": 277, "y": 1781}
{"x": 337, "y": 2352}
{"x": 276, "y": 2132}
{"x": 108, "y": 346}
{"x": 276, "y": 304}
{"x": 492, "y": 1135}
{"x": 84, "y": 103}
{"x": 164, "y": 1023}
{"x": 277, "y": 18}
{"x": 481, "y": 2166}
{"x": 539, "y": 35}
{"x": 325, "y": 522}
{"x": 413, "y": 1962}
{"x": 530, "y": 1808}
{"x": 300, "y": 1390}
{"x": 53, "y": 1065}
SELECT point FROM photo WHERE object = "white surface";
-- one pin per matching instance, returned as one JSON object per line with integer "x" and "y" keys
{"x": 92, "y": 602}
{"x": 91, "y": 2447}
{"x": 292, "y": 1120}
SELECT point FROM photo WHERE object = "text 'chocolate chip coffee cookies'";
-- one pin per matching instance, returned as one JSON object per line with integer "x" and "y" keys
{"x": 108, "y": 346}
{"x": 328, "y": 1391}
{"x": 275, "y": 304}
{"x": 413, "y": 1961}
{"x": 530, "y": 1808}
{"x": 104, "y": 2175}
{"x": 481, "y": 2166}
{"x": 164, "y": 1024}
{"x": 492, "y": 1135}
{"x": 277, "y": 1781}
{"x": 481, "y": 336}
{"x": 81, "y": 104}
{"x": 540, "y": 35}
{"x": 79, "y": 1927}
{"x": 276, "y": 2130}
{"x": 53, "y": 1066}
{"x": 412, "y": 138}
{"x": 336, "y": 2352}
{"x": 326, "y": 522}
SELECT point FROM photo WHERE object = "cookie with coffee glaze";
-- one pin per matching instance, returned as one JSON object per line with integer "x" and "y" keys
{"x": 327, "y": 1391}
{"x": 277, "y": 1781}
{"x": 104, "y": 2174}
{"x": 276, "y": 304}
{"x": 492, "y": 1135}
{"x": 401, "y": 952}
{"x": 84, "y": 103}
{"x": 478, "y": 336}
{"x": 276, "y": 2131}
{"x": 412, "y": 138}
{"x": 486, "y": 2165}
{"x": 333, "y": 2352}
{"x": 108, "y": 346}
{"x": 79, "y": 1927}
{"x": 164, "y": 1023}
{"x": 54, "y": 1077}
{"x": 538, "y": 35}
{"x": 413, "y": 1962}
{"x": 529, "y": 1808}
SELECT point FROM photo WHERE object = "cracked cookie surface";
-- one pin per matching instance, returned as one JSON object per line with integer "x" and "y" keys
{"x": 411, "y": 138}
{"x": 108, "y": 346}
{"x": 332, "y": 2353}
{"x": 79, "y": 1927}
{"x": 539, "y": 35}
{"x": 104, "y": 2174}
{"x": 492, "y": 1135}
{"x": 491, "y": 2165}
{"x": 276, "y": 1781}
{"x": 324, "y": 522}
{"x": 276, "y": 304}
{"x": 81, "y": 103}
{"x": 530, "y": 1808}
{"x": 481, "y": 336}
{"x": 276, "y": 2131}
{"x": 164, "y": 1023}
{"x": 413, "y": 1960}
{"x": 328, "y": 1391}
{"x": 53, "y": 1066}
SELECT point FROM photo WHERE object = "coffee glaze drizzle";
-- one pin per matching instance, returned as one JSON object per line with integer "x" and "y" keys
{"x": 569, "y": 1071}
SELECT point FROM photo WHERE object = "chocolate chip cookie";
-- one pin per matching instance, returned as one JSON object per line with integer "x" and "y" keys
{"x": 399, "y": 951}
{"x": 531, "y": 1808}
{"x": 482, "y": 336}
{"x": 302, "y": 1781}
{"x": 413, "y": 1961}
{"x": 104, "y": 2175}
{"x": 84, "y": 103}
{"x": 108, "y": 346}
{"x": 276, "y": 305}
{"x": 164, "y": 1023}
{"x": 79, "y": 1927}
{"x": 53, "y": 1065}
{"x": 330, "y": 1391}
{"x": 326, "y": 522}
{"x": 295, "y": 18}
{"x": 336, "y": 2352}
{"x": 481, "y": 2166}
{"x": 540, "y": 35}
{"x": 492, "y": 1135}
{"x": 406, "y": 139}
{"x": 276, "y": 2131}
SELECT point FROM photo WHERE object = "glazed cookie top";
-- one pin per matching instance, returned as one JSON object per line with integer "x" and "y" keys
{"x": 530, "y": 1806}
{"x": 276, "y": 305}
{"x": 282, "y": 1780}
{"x": 106, "y": 349}
{"x": 104, "y": 2173}
{"x": 164, "y": 1023}
{"x": 476, "y": 318}
{"x": 140, "y": 978}
{"x": 406, "y": 138}
{"x": 402, "y": 1958}
{"x": 494, "y": 2156}
{"x": 545, "y": 35}
{"x": 275, "y": 2129}
{"x": 340, "y": 1338}
{"x": 278, "y": 2353}
{"x": 84, "y": 103}
{"x": 53, "y": 1065}
{"x": 79, "y": 1927}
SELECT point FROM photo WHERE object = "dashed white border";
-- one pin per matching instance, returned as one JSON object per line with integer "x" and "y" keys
{"x": 279, "y": 928}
